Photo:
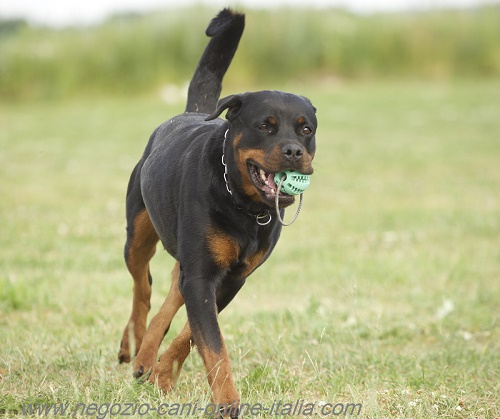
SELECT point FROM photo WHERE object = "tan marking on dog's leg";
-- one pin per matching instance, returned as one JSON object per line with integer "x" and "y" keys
{"x": 146, "y": 358}
{"x": 141, "y": 248}
{"x": 167, "y": 370}
{"x": 220, "y": 377}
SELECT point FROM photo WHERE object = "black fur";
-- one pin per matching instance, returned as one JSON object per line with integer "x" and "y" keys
{"x": 180, "y": 181}
{"x": 205, "y": 87}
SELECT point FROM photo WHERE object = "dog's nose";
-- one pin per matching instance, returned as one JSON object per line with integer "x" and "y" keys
{"x": 292, "y": 151}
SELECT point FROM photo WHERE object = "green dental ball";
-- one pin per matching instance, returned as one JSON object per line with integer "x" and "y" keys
{"x": 294, "y": 183}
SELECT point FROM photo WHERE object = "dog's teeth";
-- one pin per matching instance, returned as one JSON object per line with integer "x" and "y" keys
{"x": 273, "y": 190}
{"x": 263, "y": 175}
{"x": 267, "y": 182}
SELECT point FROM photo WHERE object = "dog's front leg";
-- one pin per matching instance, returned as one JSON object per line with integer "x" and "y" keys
{"x": 200, "y": 298}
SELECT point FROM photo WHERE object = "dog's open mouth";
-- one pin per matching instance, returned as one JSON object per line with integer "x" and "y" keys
{"x": 264, "y": 181}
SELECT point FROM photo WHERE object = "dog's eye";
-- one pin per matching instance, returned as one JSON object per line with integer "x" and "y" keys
{"x": 264, "y": 127}
{"x": 306, "y": 131}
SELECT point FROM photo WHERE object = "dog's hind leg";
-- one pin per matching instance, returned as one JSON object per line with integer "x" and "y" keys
{"x": 157, "y": 329}
{"x": 139, "y": 249}
{"x": 167, "y": 370}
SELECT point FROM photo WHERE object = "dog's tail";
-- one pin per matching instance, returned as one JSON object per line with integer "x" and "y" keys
{"x": 225, "y": 30}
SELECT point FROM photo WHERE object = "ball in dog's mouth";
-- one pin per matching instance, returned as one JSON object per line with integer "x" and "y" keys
{"x": 292, "y": 182}
{"x": 265, "y": 182}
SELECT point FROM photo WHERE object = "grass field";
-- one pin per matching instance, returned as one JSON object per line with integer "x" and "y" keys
{"x": 131, "y": 54}
{"x": 385, "y": 292}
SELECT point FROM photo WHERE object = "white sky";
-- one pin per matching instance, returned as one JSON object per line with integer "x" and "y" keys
{"x": 68, "y": 12}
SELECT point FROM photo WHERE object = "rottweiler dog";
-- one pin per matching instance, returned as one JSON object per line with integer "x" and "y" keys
{"x": 205, "y": 187}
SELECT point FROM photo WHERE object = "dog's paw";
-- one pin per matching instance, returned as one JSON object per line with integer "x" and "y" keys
{"x": 144, "y": 362}
{"x": 231, "y": 411}
{"x": 142, "y": 375}
{"x": 123, "y": 353}
{"x": 138, "y": 373}
{"x": 162, "y": 380}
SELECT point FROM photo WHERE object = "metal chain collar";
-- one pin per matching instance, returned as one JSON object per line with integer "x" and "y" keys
{"x": 258, "y": 217}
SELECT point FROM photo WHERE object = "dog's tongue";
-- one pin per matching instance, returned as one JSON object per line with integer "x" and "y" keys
{"x": 270, "y": 182}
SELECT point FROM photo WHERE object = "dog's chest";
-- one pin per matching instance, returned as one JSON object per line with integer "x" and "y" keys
{"x": 250, "y": 257}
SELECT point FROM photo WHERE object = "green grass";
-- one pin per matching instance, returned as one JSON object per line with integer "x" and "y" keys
{"x": 385, "y": 292}
{"x": 131, "y": 54}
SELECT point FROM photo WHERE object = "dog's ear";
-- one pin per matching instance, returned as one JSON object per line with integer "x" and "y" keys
{"x": 232, "y": 103}
{"x": 310, "y": 103}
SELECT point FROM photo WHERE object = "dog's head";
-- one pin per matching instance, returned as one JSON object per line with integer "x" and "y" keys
{"x": 269, "y": 132}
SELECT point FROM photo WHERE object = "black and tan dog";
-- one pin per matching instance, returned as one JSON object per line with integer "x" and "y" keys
{"x": 205, "y": 188}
